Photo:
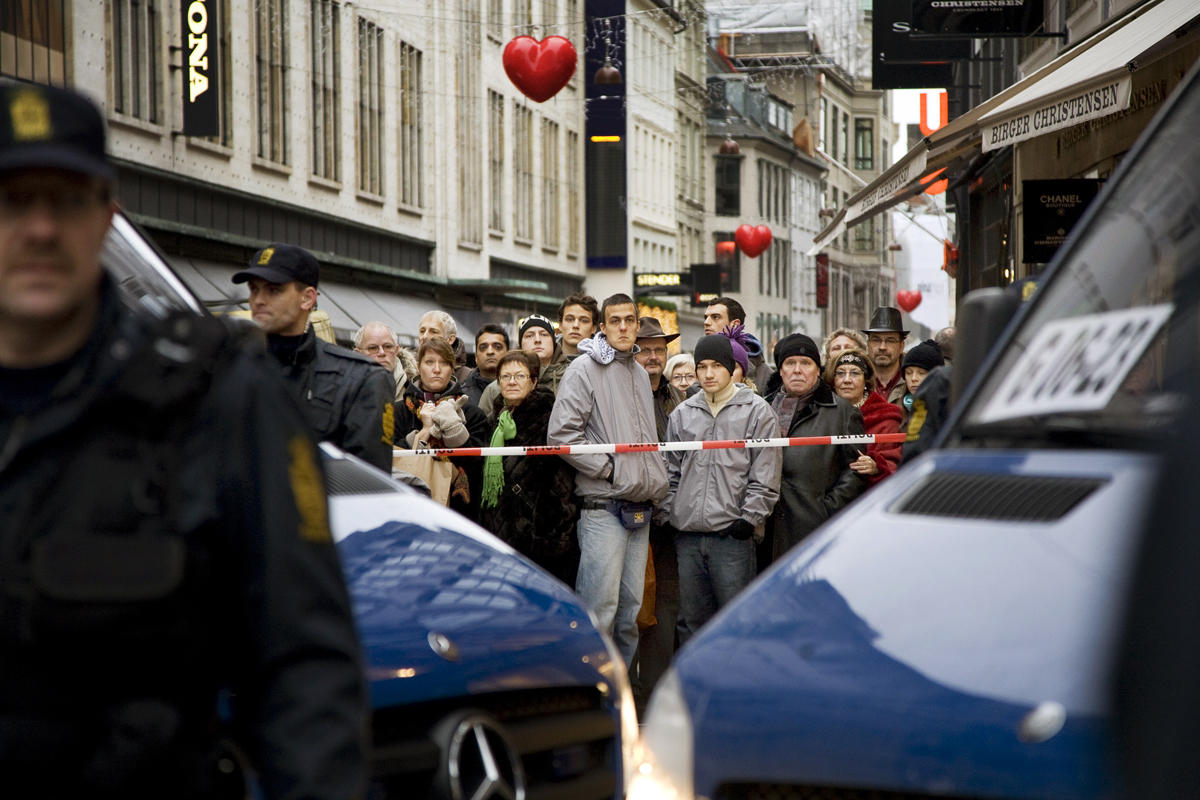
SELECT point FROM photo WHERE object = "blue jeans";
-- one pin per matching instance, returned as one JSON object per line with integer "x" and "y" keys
{"x": 712, "y": 570}
{"x": 612, "y": 575}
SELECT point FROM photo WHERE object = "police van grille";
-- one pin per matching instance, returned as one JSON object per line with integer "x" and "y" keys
{"x": 1010, "y": 498}
{"x": 780, "y": 791}
{"x": 566, "y": 739}
{"x": 346, "y": 477}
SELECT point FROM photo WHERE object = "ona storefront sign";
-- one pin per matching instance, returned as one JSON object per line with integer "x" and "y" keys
{"x": 971, "y": 18}
{"x": 1053, "y": 115}
{"x": 1051, "y": 209}
{"x": 201, "y": 79}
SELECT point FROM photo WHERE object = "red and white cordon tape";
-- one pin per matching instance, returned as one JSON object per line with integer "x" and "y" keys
{"x": 654, "y": 447}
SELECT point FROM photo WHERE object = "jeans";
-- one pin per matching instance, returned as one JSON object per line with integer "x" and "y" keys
{"x": 712, "y": 570}
{"x": 612, "y": 575}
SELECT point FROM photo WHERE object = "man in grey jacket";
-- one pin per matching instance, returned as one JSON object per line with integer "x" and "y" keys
{"x": 719, "y": 499}
{"x": 605, "y": 398}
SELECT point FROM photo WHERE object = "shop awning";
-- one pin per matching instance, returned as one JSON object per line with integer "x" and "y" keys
{"x": 1093, "y": 84}
{"x": 1089, "y": 81}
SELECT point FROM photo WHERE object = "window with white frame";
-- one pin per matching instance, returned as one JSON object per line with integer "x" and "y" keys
{"x": 33, "y": 37}
{"x": 326, "y": 92}
{"x": 370, "y": 107}
{"x": 550, "y": 212}
{"x": 774, "y": 192}
{"x": 411, "y": 131}
{"x": 496, "y": 161}
{"x": 270, "y": 78}
{"x": 573, "y": 198}
{"x": 469, "y": 136}
{"x": 136, "y": 57}
{"x": 523, "y": 172}
{"x": 522, "y": 15}
{"x": 495, "y": 19}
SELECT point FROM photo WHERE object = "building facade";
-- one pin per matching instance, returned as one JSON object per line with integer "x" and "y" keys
{"x": 809, "y": 57}
{"x": 386, "y": 139}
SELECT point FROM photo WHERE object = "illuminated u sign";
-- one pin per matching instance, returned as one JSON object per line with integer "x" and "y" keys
{"x": 944, "y": 107}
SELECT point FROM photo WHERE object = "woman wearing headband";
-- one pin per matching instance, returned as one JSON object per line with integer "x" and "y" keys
{"x": 850, "y": 375}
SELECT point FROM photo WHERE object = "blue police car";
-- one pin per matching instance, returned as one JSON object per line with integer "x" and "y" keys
{"x": 488, "y": 677}
{"x": 953, "y": 632}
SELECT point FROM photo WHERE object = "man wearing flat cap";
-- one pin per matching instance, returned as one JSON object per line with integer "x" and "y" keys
{"x": 885, "y": 345}
{"x": 163, "y": 519}
{"x": 345, "y": 396}
{"x": 816, "y": 482}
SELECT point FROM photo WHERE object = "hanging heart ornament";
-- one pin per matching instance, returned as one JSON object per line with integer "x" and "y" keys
{"x": 540, "y": 69}
{"x": 908, "y": 299}
{"x": 753, "y": 241}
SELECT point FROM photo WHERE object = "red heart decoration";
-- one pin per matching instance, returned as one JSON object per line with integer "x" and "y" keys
{"x": 753, "y": 241}
{"x": 540, "y": 69}
{"x": 908, "y": 300}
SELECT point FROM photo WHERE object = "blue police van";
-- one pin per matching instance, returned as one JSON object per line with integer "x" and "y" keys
{"x": 953, "y": 632}
{"x": 488, "y": 677}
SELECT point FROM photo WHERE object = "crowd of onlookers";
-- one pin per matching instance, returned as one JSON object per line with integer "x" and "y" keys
{"x": 653, "y": 542}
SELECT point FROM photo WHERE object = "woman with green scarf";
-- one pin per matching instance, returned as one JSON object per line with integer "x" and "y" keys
{"x": 529, "y": 501}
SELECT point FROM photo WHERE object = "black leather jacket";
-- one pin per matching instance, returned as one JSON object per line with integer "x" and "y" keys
{"x": 817, "y": 481}
{"x": 346, "y": 398}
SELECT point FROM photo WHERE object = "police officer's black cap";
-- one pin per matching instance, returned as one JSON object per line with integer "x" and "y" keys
{"x": 282, "y": 263}
{"x": 44, "y": 127}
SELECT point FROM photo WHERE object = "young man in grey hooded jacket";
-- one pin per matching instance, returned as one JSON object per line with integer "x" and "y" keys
{"x": 725, "y": 496}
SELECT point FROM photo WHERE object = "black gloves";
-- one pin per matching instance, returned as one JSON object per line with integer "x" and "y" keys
{"x": 740, "y": 530}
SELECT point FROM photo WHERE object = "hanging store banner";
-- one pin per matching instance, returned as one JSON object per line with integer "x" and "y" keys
{"x": 1051, "y": 209}
{"x": 971, "y": 18}
{"x": 1079, "y": 106}
{"x": 201, "y": 68}
{"x": 900, "y": 61}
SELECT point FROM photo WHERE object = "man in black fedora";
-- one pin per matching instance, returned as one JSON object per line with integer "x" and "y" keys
{"x": 885, "y": 345}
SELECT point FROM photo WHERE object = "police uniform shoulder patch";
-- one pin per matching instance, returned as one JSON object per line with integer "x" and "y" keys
{"x": 389, "y": 423}
{"x": 920, "y": 411}
{"x": 265, "y": 256}
{"x": 309, "y": 491}
{"x": 29, "y": 112}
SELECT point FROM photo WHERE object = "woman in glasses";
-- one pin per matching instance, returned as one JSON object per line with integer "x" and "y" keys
{"x": 680, "y": 372}
{"x": 851, "y": 376}
{"x": 529, "y": 501}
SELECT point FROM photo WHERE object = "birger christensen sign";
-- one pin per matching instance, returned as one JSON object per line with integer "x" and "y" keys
{"x": 201, "y": 82}
{"x": 1093, "y": 103}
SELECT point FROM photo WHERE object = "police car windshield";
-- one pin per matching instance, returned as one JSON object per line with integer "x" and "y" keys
{"x": 1111, "y": 343}
{"x": 141, "y": 273}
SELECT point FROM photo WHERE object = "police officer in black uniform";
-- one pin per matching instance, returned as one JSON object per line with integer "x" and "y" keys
{"x": 171, "y": 603}
{"x": 345, "y": 396}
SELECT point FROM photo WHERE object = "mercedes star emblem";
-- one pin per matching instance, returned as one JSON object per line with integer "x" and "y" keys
{"x": 481, "y": 762}
{"x": 441, "y": 644}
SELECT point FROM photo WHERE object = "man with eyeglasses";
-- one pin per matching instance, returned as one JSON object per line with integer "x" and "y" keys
{"x": 885, "y": 345}
{"x": 377, "y": 341}
{"x": 163, "y": 518}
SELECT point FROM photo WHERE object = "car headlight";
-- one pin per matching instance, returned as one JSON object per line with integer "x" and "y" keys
{"x": 664, "y": 771}
{"x": 615, "y": 671}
